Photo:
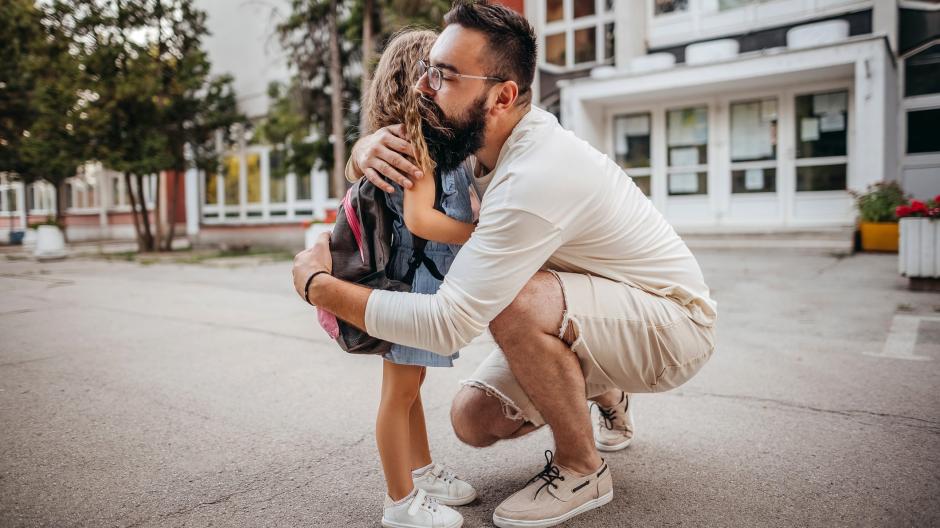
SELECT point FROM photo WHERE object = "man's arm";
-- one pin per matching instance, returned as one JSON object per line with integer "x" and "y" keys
{"x": 385, "y": 153}
{"x": 345, "y": 300}
{"x": 506, "y": 249}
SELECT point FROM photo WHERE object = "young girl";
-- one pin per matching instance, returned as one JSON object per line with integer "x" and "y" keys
{"x": 438, "y": 210}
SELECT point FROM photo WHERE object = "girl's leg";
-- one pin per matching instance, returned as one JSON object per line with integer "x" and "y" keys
{"x": 401, "y": 385}
{"x": 420, "y": 450}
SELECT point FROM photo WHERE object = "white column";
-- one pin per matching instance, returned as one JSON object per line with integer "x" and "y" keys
{"x": 103, "y": 183}
{"x": 630, "y": 31}
{"x": 21, "y": 203}
{"x": 192, "y": 201}
{"x": 320, "y": 193}
{"x": 291, "y": 182}
{"x": 265, "y": 161}
{"x": 884, "y": 19}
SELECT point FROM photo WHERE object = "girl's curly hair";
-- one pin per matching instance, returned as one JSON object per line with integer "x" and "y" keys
{"x": 392, "y": 97}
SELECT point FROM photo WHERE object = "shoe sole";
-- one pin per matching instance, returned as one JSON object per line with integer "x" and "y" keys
{"x": 393, "y": 524}
{"x": 502, "y": 522}
{"x": 448, "y": 501}
{"x": 609, "y": 448}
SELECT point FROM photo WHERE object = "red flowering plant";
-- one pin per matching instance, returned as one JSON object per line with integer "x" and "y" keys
{"x": 919, "y": 209}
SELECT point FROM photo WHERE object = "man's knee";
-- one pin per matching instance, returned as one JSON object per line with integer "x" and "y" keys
{"x": 470, "y": 415}
{"x": 537, "y": 308}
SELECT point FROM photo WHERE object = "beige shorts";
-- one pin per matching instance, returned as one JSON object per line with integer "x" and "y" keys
{"x": 625, "y": 338}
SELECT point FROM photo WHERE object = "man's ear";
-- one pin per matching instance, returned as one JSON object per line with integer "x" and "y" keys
{"x": 506, "y": 96}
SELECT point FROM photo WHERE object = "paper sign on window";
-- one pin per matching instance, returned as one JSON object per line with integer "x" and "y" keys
{"x": 684, "y": 156}
{"x": 809, "y": 129}
{"x": 832, "y": 122}
{"x": 683, "y": 183}
{"x": 754, "y": 179}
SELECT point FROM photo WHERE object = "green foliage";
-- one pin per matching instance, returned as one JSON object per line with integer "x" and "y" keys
{"x": 879, "y": 201}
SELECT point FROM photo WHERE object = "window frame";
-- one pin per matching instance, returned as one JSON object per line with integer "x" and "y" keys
{"x": 567, "y": 26}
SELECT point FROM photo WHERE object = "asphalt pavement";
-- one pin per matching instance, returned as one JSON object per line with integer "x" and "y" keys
{"x": 205, "y": 394}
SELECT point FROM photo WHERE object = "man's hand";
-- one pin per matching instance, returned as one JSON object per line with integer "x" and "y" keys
{"x": 310, "y": 261}
{"x": 382, "y": 154}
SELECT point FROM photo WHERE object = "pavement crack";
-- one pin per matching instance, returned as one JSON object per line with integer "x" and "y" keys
{"x": 24, "y": 361}
{"x": 909, "y": 421}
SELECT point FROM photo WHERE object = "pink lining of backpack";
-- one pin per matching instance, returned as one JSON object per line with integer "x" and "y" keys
{"x": 327, "y": 319}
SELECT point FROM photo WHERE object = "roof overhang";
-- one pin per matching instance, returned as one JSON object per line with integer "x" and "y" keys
{"x": 756, "y": 70}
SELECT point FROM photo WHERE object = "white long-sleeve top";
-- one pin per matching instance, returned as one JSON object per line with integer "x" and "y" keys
{"x": 553, "y": 202}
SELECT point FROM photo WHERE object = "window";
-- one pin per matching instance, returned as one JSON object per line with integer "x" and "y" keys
{"x": 821, "y": 141}
{"x": 554, "y": 10}
{"x": 578, "y": 32}
{"x": 687, "y": 146}
{"x": 583, "y": 8}
{"x": 754, "y": 146}
{"x": 211, "y": 188}
{"x": 725, "y": 5}
{"x": 278, "y": 177}
{"x": 922, "y": 73}
{"x": 632, "y": 147}
{"x": 232, "y": 168}
{"x": 664, "y": 7}
{"x": 253, "y": 174}
{"x": 923, "y": 134}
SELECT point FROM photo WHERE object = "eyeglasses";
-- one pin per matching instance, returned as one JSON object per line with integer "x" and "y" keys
{"x": 436, "y": 76}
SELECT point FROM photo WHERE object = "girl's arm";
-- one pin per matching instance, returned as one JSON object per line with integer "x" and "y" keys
{"x": 423, "y": 220}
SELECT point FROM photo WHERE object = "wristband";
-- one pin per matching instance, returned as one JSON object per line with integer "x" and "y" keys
{"x": 307, "y": 286}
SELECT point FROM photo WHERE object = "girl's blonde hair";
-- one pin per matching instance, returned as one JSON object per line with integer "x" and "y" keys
{"x": 392, "y": 96}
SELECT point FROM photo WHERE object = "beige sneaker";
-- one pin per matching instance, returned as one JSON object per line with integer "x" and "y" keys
{"x": 443, "y": 485}
{"x": 554, "y": 496}
{"x": 614, "y": 430}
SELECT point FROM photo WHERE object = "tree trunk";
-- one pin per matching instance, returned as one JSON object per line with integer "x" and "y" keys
{"x": 158, "y": 214}
{"x": 60, "y": 208}
{"x": 367, "y": 48}
{"x": 172, "y": 194}
{"x": 133, "y": 202}
{"x": 144, "y": 215}
{"x": 336, "y": 103}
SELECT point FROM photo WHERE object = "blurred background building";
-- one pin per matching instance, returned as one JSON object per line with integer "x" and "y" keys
{"x": 731, "y": 115}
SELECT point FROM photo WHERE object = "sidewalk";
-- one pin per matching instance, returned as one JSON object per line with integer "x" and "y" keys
{"x": 175, "y": 394}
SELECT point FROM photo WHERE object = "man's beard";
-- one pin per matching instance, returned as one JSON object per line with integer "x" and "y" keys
{"x": 451, "y": 141}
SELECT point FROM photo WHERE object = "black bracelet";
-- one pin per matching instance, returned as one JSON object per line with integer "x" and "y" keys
{"x": 307, "y": 286}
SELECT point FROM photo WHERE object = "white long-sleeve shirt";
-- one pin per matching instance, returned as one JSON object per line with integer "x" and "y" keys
{"x": 553, "y": 202}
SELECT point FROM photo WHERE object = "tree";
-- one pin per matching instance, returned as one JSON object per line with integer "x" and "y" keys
{"x": 313, "y": 36}
{"x": 44, "y": 130}
{"x": 331, "y": 45}
{"x": 154, "y": 97}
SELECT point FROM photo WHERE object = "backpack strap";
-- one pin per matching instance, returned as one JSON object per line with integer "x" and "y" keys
{"x": 419, "y": 257}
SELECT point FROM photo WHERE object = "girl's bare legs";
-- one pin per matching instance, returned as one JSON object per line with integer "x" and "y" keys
{"x": 420, "y": 450}
{"x": 401, "y": 386}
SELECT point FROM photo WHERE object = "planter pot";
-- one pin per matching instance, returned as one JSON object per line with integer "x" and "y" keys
{"x": 50, "y": 244}
{"x": 919, "y": 255}
{"x": 312, "y": 232}
{"x": 879, "y": 236}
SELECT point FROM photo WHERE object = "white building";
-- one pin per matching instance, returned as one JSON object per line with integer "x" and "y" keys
{"x": 749, "y": 114}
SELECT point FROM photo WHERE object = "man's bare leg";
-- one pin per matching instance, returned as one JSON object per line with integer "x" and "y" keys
{"x": 479, "y": 420}
{"x": 547, "y": 369}
{"x": 608, "y": 399}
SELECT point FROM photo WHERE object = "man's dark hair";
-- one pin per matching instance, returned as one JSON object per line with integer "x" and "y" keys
{"x": 511, "y": 41}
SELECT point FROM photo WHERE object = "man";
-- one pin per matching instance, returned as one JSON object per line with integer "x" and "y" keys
{"x": 622, "y": 307}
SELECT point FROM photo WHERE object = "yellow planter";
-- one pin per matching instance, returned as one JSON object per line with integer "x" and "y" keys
{"x": 879, "y": 236}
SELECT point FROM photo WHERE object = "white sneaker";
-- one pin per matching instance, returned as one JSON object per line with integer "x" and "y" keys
{"x": 420, "y": 511}
{"x": 441, "y": 484}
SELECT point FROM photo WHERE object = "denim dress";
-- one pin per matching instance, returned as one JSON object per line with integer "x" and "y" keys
{"x": 455, "y": 203}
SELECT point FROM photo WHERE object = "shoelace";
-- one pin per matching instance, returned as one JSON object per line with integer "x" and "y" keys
{"x": 609, "y": 415}
{"x": 441, "y": 472}
{"x": 424, "y": 502}
{"x": 550, "y": 473}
